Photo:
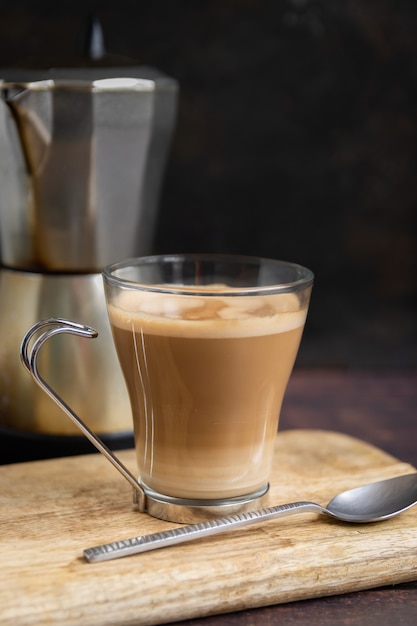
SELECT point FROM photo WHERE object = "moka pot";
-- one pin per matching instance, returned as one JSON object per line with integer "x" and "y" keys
{"x": 82, "y": 156}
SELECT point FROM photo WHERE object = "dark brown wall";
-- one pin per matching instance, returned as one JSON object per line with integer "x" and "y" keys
{"x": 296, "y": 139}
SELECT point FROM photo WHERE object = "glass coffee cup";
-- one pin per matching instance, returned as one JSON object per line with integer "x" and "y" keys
{"x": 206, "y": 344}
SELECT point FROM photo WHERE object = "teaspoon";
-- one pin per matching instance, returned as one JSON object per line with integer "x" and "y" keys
{"x": 370, "y": 503}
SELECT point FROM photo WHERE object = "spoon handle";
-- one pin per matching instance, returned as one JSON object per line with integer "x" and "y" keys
{"x": 183, "y": 534}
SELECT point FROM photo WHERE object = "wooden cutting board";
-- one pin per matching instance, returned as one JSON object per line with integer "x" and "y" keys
{"x": 51, "y": 510}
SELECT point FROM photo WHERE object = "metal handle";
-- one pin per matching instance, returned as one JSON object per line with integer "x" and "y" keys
{"x": 29, "y": 350}
{"x": 145, "y": 543}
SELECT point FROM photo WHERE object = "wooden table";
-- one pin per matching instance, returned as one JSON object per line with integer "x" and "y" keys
{"x": 380, "y": 408}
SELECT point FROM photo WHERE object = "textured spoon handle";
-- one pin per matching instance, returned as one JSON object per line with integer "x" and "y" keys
{"x": 183, "y": 534}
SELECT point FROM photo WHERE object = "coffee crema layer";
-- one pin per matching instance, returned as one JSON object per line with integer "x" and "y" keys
{"x": 206, "y": 377}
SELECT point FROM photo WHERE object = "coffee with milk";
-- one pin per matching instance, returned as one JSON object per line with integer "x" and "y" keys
{"x": 206, "y": 376}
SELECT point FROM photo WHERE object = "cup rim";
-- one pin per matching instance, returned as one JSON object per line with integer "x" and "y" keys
{"x": 304, "y": 276}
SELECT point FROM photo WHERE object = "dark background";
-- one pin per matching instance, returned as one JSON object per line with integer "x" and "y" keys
{"x": 296, "y": 139}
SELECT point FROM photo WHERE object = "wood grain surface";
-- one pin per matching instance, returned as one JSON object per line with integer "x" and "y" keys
{"x": 51, "y": 510}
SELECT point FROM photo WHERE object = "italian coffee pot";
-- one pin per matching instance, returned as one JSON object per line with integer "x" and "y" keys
{"x": 82, "y": 156}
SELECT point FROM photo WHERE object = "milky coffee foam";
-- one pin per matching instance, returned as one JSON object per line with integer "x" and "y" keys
{"x": 206, "y": 316}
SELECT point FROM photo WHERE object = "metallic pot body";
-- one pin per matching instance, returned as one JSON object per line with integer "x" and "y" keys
{"x": 82, "y": 156}
{"x": 86, "y": 373}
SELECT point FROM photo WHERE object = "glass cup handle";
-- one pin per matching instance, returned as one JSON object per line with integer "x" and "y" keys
{"x": 32, "y": 342}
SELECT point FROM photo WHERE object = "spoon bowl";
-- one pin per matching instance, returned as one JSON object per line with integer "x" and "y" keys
{"x": 373, "y": 502}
